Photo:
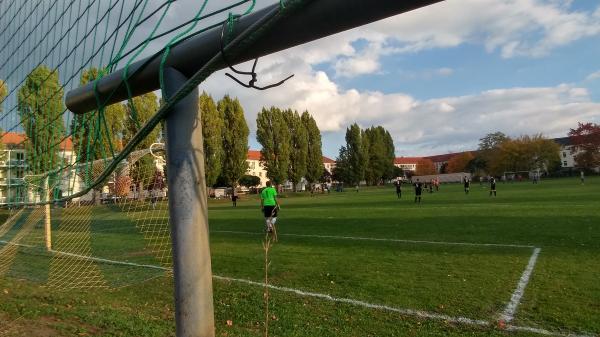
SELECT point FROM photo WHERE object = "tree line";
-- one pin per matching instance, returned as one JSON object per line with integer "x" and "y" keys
{"x": 367, "y": 156}
{"x": 291, "y": 146}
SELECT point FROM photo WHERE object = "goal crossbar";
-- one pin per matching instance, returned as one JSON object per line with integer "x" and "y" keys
{"x": 318, "y": 19}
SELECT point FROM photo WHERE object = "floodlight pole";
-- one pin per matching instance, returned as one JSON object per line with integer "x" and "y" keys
{"x": 188, "y": 213}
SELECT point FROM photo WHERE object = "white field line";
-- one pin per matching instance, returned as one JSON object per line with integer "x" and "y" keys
{"x": 402, "y": 311}
{"x": 511, "y": 308}
{"x": 510, "y": 327}
{"x": 407, "y": 312}
{"x": 384, "y": 239}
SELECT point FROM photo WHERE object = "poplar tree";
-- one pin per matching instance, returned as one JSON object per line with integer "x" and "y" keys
{"x": 96, "y": 136}
{"x": 353, "y": 158}
{"x": 139, "y": 110}
{"x": 314, "y": 157}
{"x": 212, "y": 127}
{"x": 273, "y": 134}
{"x": 3, "y": 94}
{"x": 298, "y": 146}
{"x": 234, "y": 140}
{"x": 40, "y": 108}
{"x": 381, "y": 153}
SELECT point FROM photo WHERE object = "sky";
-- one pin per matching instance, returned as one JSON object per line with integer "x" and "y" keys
{"x": 438, "y": 78}
{"x": 441, "y": 77}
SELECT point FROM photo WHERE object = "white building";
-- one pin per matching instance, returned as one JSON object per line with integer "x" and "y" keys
{"x": 407, "y": 163}
{"x": 13, "y": 169}
{"x": 255, "y": 168}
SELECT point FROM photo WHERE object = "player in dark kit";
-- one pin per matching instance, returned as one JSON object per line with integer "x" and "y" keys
{"x": 467, "y": 185}
{"x": 492, "y": 186}
{"x": 399, "y": 188}
{"x": 418, "y": 190}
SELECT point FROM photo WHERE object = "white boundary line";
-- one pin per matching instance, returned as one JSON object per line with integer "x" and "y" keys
{"x": 407, "y": 312}
{"x": 402, "y": 311}
{"x": 383, "y": 239}
{"x": 510, "y": 327}
{"x": 511, "y": 308}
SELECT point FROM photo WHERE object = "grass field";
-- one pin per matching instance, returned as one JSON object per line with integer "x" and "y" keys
{"x": 347, "y": 264}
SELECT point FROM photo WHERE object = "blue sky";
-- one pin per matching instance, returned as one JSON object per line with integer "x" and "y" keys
{"x": 441, "y": 77}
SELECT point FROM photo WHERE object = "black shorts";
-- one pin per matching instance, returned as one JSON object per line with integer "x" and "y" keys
{"x": 270, "y": 211}
{"x": 418, "y": 192}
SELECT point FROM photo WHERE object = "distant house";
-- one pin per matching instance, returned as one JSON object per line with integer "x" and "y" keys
{"x": 255, "y": 167}
{"x": 329, "y": 164}
{"x": 13, "y": 168}
{"x": 567, "y": 159}
{"x": 407, "y": 163}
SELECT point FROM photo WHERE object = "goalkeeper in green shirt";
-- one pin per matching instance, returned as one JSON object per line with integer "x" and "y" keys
{"x": 269, "y": 206}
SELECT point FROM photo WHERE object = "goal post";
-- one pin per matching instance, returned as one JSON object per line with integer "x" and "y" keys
{"x": 299, "y": 22}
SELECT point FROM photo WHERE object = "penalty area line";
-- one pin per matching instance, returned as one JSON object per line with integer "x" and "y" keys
{"x": 357, "y": 238}
{"x": 511, "y": 308}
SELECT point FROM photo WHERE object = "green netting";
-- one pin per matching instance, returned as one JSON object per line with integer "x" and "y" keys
{"x": 50, "y": 48}
{"x": 96, "y": 179}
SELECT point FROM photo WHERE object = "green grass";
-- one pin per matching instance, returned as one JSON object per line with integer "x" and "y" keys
{"x": 560, "y": 216}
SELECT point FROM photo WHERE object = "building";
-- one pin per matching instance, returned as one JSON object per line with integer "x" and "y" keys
{"x": 567, "y": 159}
{"x": 328, "y": 164}
{"x": 13, "y": 169}
{"x": 255, "y": 168}
{"x": 407, "y": 163}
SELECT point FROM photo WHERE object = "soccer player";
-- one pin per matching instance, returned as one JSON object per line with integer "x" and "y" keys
{"x": 269, "y": 206}
{"x": 492, "y": 186}
{"x": 467, "y": 185}
{"x": 399, "y": 188}
{"x": 418, "y": 190}
{"x": 234, "y": 197}
{"x": 582, "y": 177}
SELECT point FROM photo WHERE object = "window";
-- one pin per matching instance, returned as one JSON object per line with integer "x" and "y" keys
{"x": 564, "y": 155}
{"x": 565, "y": 163}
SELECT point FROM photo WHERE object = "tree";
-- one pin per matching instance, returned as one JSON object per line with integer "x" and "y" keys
{"x": 352, "y": 159}
{"x": 96, "y": 135}
{"x": 212, "y": 128}
{"x": 3, "y": 94}
{"x": 487, "y": 156}
{"x": 492, "y": 140}
{"x": 341, "y": 171}
{"x": 460, "y": 162}
{"x": 314, "y": 158}
{"x": 381, "y": 153}
{"x": 585, "y": 144}
{"x": 297, "y": 167}
{"x": 139, "y": 110}
{"x": 425, "y": 167}
{"x": 40, "y": 107}
{"x": 249, "y": 181}
{"x": 527, "y": 153}
{"x": 234, "y": 140}
{"x": 273, "y": 134}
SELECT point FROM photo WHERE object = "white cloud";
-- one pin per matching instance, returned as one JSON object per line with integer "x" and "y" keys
{"x": 593, "y": 76}
{"x": 512, "y": 28}
{"x": 525, "y": 28}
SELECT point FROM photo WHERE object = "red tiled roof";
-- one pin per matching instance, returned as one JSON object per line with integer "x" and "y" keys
{"x": 253, "y": 155}
{"x": 406, "y": 160}
{"x": 327, "y": 160}
{"x": 445, "y": 157}
{"x": 15, "y": 138}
